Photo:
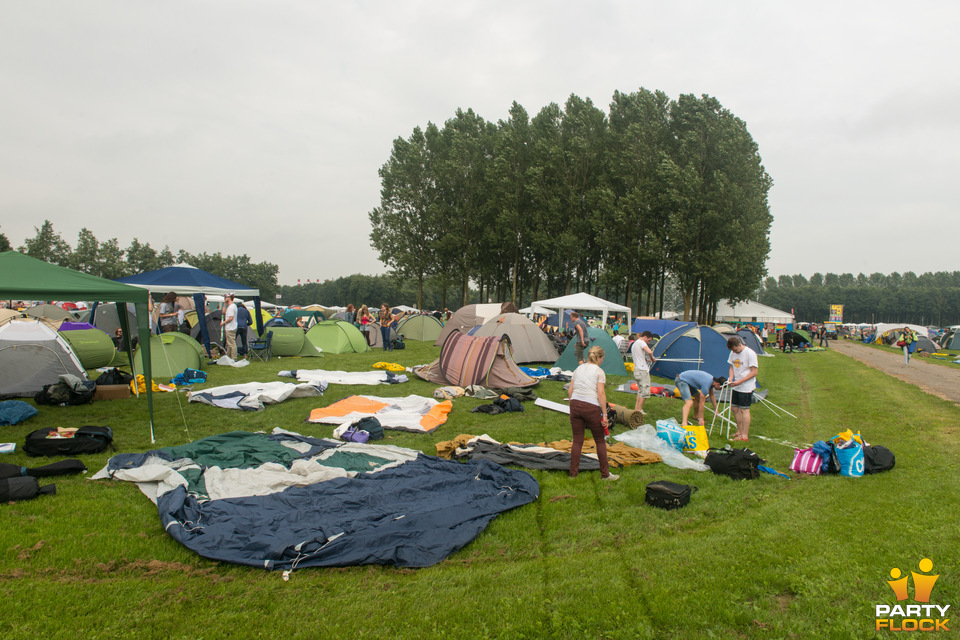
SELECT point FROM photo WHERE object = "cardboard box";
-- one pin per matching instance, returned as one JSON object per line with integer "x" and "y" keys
{"x": 112, "y": 391}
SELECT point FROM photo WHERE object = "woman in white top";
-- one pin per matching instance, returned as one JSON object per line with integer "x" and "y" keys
{"x": 588, "y": 410}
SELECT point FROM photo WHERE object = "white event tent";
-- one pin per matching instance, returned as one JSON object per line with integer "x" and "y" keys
{"x": 582, "y": 302}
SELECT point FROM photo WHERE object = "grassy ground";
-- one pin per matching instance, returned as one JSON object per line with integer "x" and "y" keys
{"x": 769, "y": 558}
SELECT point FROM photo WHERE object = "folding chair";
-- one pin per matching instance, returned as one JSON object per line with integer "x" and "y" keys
{"x": 260, "y": 349}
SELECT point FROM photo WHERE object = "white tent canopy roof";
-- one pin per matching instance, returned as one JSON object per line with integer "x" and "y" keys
{"x": 883, "y": 327}
{"x": 751, "y": 311}
{"x": 583, "y": 302}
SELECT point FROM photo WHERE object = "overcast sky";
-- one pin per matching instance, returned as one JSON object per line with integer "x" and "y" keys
{"x": 259, "y": 127}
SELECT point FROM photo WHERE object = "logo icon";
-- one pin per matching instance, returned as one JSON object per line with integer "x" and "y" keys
{"x": 913, "y": 617}
{"x": 922, "y": 584}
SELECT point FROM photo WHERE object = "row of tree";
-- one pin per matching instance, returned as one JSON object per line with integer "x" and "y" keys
{"x": 579, "y": 199}
{"x": 925, "y": 299}
{"x": 107, "y": 259}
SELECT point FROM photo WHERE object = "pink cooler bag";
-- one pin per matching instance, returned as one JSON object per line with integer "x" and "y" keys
{"x": 806, "y": 461}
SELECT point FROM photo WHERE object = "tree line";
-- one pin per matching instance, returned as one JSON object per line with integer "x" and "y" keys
{"x": 613, "y": 203}
{"x": 925, "y": 299}
{"x": 107, "y": 259}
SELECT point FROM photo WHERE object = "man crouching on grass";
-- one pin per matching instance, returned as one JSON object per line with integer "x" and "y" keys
{"x": 701, "y": 383}
{"x": 743, "y": 380}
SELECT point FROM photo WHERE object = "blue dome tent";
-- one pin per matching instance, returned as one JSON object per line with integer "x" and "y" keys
{"x": 691, "y": 347}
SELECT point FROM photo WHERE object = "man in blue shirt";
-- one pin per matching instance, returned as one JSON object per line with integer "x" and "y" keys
{"x": 244, "y": 320}
{"x": 703, "y": 384}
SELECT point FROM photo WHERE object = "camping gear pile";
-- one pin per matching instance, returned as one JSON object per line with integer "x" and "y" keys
{"x": 845, "y": 454}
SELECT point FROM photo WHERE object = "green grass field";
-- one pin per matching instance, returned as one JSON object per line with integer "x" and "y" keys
{"x": 768, "y": 558}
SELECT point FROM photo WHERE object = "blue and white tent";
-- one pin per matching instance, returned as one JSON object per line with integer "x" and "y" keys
{"x": 691, "y": 347}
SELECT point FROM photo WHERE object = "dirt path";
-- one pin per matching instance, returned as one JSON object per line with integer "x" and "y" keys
{"x": 942, "y": 382}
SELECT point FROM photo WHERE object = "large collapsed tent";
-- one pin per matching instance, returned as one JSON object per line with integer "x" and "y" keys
{"x": 26, "y": 278}
{"x": 33, "y": 355}
{"x": 285, "y": 501}
{"x": 612, "y": 358}
{"x": 583, "y": 302}
{"x": 420, "y": 327}
{"x": 337, "y": 336}
{"x": 528, "y": 342}
{"x": 93, "y": 347}
{"x": 472, "y": 315}
{"x": 700, "y": 348}
{"x": 465, "y": 360}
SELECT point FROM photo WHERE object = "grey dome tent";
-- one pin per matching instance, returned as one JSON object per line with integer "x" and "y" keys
{"x": 33, "y": 355}
{"x": 529, "y": 343}
{"x": 472, "y": 315}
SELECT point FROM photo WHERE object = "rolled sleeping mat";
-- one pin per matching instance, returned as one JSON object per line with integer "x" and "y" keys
{"x": 62, "y": 468}
{"x": 628, "y": 417}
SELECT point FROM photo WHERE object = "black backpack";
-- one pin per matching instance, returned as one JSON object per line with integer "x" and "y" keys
{"x": 85, "y": 440}
{"x": 668, "y": 495}
{"x": 877, "y": 459}
{"x": 62, "y": 394}
{"x": 114, "y": 376}
{"x": 739, "y": 464}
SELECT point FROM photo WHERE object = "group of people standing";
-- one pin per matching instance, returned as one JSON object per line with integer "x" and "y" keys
{"x": 589, "y": 406}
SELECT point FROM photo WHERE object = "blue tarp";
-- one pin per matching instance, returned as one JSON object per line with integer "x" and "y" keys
{"x": 703, "y": 349}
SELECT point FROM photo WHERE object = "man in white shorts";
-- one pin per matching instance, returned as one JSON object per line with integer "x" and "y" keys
{"x": 642, "y": 361}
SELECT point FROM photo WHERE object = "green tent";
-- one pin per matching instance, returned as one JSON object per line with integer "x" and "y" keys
{"x": 26, "y": 278}
{"x": 93, "y": 347}
{"x": 612, "y": 360}
{"x": 338, "y": 336}
{"x": 421, "y": 327}
{"x": 170, "y": 355}
{"x": 291, "y": 342}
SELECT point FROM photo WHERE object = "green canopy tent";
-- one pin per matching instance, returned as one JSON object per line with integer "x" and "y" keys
{"x": 26, "y": 278}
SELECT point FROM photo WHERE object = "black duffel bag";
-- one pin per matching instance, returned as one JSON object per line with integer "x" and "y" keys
{"x": 739, "y": 464}
{"x": 668, "y": 495}
{"x": 85, "y": 440}
{"x": 25, "y": 488}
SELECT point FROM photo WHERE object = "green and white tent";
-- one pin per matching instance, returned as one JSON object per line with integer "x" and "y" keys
{"x": 291, "y": 342}
{"x": 337, "y": 336}
{"x": 421, "y": 327}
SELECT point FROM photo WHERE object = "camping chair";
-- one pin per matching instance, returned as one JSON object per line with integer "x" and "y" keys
{"x": 260, "y": 348}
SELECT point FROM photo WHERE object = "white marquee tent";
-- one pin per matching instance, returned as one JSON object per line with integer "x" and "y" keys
{"x": 582, "y": 302}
